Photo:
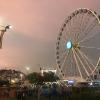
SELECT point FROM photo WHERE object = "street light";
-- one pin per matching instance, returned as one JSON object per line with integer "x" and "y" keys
{"x": 3, "y": 30}
{"x": 8, "y": 27}
{"x": 21, "y": 76}
{"x": 27, "y": 69}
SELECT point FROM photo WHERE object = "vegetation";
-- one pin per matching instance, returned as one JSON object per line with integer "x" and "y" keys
{"x": 50, "y": 77}
{"x": 37, "y": 78}
{"x": 4, "y": 83}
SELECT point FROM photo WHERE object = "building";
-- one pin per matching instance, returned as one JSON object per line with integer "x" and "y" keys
{"x": 46, "y": 70}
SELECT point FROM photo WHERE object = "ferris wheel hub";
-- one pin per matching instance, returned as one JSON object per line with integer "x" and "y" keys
{"x": 69, "y": 44}
{"x": 76, "y": 45}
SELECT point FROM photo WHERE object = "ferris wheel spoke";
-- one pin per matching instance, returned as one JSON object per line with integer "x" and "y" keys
{"x": 87, "y": 59}
{"x": 69, "y": 26}
{"x": 74, "y": 68}
{"x": 82, "y": 16}
{"x": 63, "y": 47}
{"x": 71, "y": 65}
{"x": 64, "y": 40}
{"x": 63, "y": 55}
{"x": 88, "y": 37}
{"x": 87, "y": 47}
{"x": 76, "y": 25}
{"x": 65, "y": 31}
{"x": 64, "y": 35}
{"x": 87, "y": 62}
{"x": 77, "y": 65}
{"x": 66, "y": 56}
{"x": 85, "y": 21}
{"x": 86, "y": 18}
{"x": 98, "y": 62}
{"x": 82, "y": 63}
{"x": 87, "y": 31}
{"x": 65, "y": 67}
{"x": 90, "y": 27}
{"x": 87, "y": 26}
{"x": 82, "y": 24}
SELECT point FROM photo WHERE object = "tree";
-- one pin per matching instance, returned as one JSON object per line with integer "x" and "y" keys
{"x": 35, "y": 78}
{"x": 50, "y": 77}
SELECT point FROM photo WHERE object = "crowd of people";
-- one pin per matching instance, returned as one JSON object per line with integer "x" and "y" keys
{"x": 40, "y": 91}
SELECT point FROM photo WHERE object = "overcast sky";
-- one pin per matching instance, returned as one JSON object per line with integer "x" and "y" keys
{"x": 36, "y": 24}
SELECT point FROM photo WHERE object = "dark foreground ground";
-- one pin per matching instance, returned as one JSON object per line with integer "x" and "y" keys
{"x": 84, "y": 96}
{"x": 75, "y": 94}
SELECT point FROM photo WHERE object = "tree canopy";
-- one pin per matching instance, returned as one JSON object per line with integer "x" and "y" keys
{"x": 37, "y": 78}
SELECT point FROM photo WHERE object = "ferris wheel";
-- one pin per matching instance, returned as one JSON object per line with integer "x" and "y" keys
{"x": 77, "y": 47}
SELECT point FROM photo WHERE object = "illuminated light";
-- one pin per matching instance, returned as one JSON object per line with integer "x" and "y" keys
{"x": 8, "y": 27}
{"x": 12, "y": 81}
{"x": 48, "y": 70}
{"x": 27, "y": 68}
{"x": 70, "y": 82}
{"x": 69, "y": 45}
{"x": 91, "y": 83}
{"x": 21, "y": 75}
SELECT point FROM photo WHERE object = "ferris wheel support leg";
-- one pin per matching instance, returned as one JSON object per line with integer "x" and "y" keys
{"x": 98, "y": 62}
{"x": 77, "y": 64}
{"x": 88, "y": 59}
{"x": 85, "y": 60}
{"x": 82, "y": 63}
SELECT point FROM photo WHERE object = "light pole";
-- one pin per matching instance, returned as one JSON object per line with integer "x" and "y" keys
{"x": 21, "y": 76}
{"x": 2, "y": 31}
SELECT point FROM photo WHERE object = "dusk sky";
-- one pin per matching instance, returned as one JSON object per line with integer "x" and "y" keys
{"x": 36, "y": 24}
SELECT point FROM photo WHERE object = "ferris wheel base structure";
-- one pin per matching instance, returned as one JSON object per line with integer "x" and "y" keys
{"x": 77, "y": 79}
{"x": 77, "y": 47}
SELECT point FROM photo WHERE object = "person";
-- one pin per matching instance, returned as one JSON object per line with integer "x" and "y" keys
{"x": 68, "y": 92}
{"x": 18, "y": 95}
{"x": 6, "y": 93}
{"x": 39, "y": 92}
